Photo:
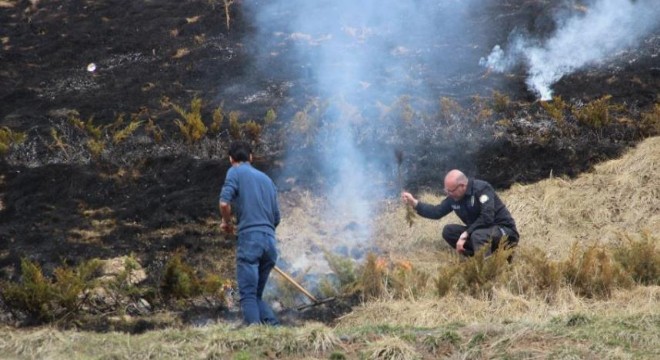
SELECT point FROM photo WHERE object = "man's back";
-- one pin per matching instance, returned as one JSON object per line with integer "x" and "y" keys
{"x": 254, "y": 199}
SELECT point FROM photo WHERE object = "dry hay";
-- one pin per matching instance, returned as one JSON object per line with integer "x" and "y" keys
{"x": 621, "y": 195}
{"x": 462, "y": 308}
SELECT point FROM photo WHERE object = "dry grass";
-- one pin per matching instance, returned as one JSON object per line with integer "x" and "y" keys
{"x": 547, "y": 320}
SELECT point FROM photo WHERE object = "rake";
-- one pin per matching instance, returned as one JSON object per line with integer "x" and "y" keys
{"x": 311, "y": 297}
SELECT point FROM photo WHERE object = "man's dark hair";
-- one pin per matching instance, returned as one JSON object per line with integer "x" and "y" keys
{"x": 240, "y": 151}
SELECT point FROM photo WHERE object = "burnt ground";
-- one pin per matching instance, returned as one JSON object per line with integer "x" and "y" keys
{"x": 61, "y": 204}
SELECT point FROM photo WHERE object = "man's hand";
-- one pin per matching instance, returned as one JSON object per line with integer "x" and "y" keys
{"x": 409, "y": 199}
{"x": 460, "y": 244}
{"x": 227, "y": 227}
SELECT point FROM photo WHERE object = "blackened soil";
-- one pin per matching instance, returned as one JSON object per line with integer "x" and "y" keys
{"x": 58, "y": 208}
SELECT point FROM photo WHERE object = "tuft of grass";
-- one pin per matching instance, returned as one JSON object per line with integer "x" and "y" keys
{"x": 640, "y": 258}
{"x": 391, "y": 348}
{"x": 192, "y": 127}
{"x": 319, "y": 339}
{"x": 9, "y": 138}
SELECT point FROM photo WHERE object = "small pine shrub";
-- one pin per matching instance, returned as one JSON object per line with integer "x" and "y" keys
{"x": 33, "y": 295}
{"x": 406, "y": 281}
{"x": 252, "y": 130}
{"x": 596, "y": 114}
{"x": 218, "y": 117}
{"x": 179, "y": 280}
{"x": 270, "y": 118}
{"x": 234, "y": 125}
{"x": 121, "y": 135}
{"x": 450, "y": 110}
{"x": 479, "y": 274}
{"x": 592, "y": 273}
{"x": 446, "y": 280}
{"x": 640, "y": 258}
{"x": 343, "y": 267}
{"x": 46, "y": 300}
{"x": 406, "y": 111}
{"x": 555, "y": 108}
{"x": 8, "y": 138}
{"x": 650, "y": 123}
{"x": 371, "y": 280}
{"x": 95, "y": 147}
{"x": 154, "y": 130}
{"x": 192, "y": 127}
{"x": 501, "y": 102}
{"x": 540, "y": 275}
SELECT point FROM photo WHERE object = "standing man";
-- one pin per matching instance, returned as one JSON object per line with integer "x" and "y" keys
{"x": 252, "y": 196}
{"x": 485, "y": 216}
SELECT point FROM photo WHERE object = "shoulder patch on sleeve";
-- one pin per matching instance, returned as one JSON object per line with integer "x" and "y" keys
{"x": 483, "y": 198}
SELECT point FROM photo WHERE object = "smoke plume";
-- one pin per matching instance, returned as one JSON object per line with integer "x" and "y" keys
{"x": 353, "y": 56}
{"x": 587, "y": 38}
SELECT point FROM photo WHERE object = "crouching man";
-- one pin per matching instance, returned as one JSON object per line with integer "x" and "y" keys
{"x": 486, "y": 218}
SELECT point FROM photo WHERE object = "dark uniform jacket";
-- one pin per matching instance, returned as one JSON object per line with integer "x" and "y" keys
{"x": 479, "y": 208}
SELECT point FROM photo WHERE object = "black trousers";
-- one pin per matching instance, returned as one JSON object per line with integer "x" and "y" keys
{"x": 479, "y": 238}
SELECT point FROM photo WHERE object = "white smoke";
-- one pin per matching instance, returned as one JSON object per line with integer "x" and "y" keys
{"x": 607, "y": 27}
{"x": 357, "y": 54}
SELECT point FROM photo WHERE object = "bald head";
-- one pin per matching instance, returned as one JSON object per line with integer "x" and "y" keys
{"x": 455, "y": 184}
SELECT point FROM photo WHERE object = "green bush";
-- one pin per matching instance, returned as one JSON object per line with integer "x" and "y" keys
{"x": 45, "y": 300}
{"x": 192, "y": 127}
{"x": 596, "y": 114}
{"x": 9, "y": 138}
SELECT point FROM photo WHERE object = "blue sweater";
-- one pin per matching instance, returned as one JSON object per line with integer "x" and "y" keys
{"x": 253, "y": 197}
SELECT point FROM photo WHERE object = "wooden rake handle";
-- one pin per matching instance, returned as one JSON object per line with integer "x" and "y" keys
{"x": 294, "y": 283}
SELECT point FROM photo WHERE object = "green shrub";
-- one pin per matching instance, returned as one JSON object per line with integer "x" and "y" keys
{"x": 234, "y": 125}
{"x": 501, "y": 102}
{"x": 555, "y": 108}
{"x": 8, "y": 138}
{"x": 192, "y": 127}
{"x": 343, "y": 267}
{"x": 650, "y": 122}
{"x": 270, "y": 118}
{"x": 252, "y": 130}
{"x": 179, "y": 280}
{"x": 45, "y": 300}
{"x": 218, "y": 117}
{"x": 596, "y": 114}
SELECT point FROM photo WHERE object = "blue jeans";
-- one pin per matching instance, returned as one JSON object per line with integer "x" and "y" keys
{"x": 255, "y": 258}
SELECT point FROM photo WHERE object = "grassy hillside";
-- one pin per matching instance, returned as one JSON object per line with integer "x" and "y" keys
{"x": 562, "y": 222}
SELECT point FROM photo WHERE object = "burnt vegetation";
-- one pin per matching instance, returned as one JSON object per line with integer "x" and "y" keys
{"x": 127, "y": 160}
